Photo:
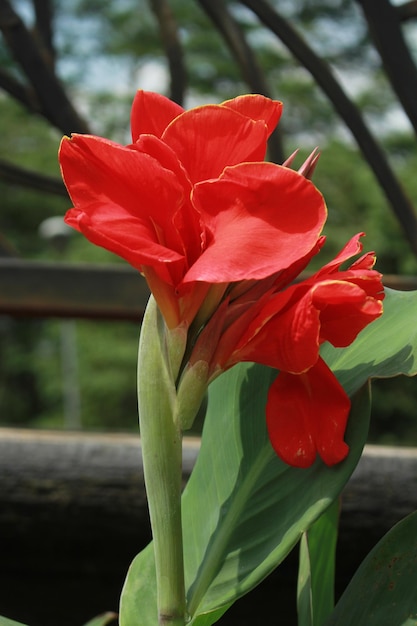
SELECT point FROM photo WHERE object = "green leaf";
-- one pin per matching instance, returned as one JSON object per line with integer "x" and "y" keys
{"x": 384, "y": 589}
{"x": 316, "y": 572}
{"x": 207, "y": 619}
{"x": 243, "y": 509}
{"x": 386, "y": 348}
{"x": 102, "y": 620}
{"x": 138, "y": 597}
{"x": 5, "y": 621}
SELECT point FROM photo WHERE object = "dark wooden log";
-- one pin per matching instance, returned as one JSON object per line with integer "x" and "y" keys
{"x": 44, "y": 289}
{"x": 73, "y": 514}
{"x": 111, "y": 291}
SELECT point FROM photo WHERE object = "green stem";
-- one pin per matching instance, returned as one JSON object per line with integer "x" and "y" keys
{"x": 162, "y": 462}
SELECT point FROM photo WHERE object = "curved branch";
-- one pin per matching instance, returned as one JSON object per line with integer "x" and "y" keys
{"x": 55, "y": 105}
{"x": 44, "y": 16}
{"x": 407, "y": 11}
{"x": 22, "y": 177}
{"x": 243, "y": 54}
{"x": 173, "y": 50}
{"x": 384, "y": 27}
{"x": 18, "y": 91}
{"x": 347, "y": 110}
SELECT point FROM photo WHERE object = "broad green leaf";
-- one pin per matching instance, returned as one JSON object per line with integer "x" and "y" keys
{"x": 386, "y": 348}
{"x": 384, "y": 589}
{"x": 316, "y": 572}
{"x": 4, "y": 621}
{"x": 243, "y": 509}
{"x": 102, "y": 620}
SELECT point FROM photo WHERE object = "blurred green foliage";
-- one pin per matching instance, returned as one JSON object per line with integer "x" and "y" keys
{"x": 105, "y": 51}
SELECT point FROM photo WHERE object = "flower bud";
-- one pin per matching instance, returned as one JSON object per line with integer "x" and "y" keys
{"x": 190, "y": 394}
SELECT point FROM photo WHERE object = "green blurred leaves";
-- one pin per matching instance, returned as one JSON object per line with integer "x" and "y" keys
{"x": 4, "y": 621}
{"x": 384, "y": 589}
{"x": 316, "y": 573}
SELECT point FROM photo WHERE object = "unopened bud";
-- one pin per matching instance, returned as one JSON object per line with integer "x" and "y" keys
{"x": 190, "y": 393}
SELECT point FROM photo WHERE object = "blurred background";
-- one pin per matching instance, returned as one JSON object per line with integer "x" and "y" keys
{"x": 346, "y": 75}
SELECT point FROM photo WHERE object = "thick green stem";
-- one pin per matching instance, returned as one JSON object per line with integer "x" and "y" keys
{"x": 162, "y": 460}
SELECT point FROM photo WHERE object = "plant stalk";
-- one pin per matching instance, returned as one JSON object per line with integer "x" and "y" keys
{"x": 162, "y": 463}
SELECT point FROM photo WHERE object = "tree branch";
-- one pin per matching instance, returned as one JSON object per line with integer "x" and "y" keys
{"x": 18, "y": 91}
{"x": 173, "y": 49}
{"x": 347, "y": 110}
{"x": 44, "y": 17}
{"x": 407, "y": 11}
{"x": 15, "y": 175}
{"x": 55, "y": 105}
{"x": 384, "y": 27}
{"x": 243, "y": 54}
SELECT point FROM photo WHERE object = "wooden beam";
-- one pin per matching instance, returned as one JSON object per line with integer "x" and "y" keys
{"x": 45, "y": 289}
{"x": 33, "y": 288}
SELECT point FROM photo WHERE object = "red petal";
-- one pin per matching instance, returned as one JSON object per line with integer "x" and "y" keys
{"x": 186, "y": 220}
{"x": 291, "y": 273}
{"x": 284, "y": 334}
{"x": 353, "y": 246}
{"x": 151, "y": 113}
{"x": 306, "y": 415}
{"x": 257, "y": 107}
{"x": 124, "y": 235}
{"x": 370, "y": 281}
{"x": 263, "y": 218}
{"x": 209, "y": 138}
{"x": 366, "y": 262}
{"x": 124, "y": 200}
{"x": 345, "y": 310}
{"x": 239, "y": 318}
{"x": 157, "y": 149}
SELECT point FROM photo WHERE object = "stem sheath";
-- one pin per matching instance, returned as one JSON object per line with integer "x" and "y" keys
{"x": 162, "y": 462}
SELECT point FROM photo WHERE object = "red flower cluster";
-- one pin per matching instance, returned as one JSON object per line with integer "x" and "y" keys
{"x": 220, "y": 236}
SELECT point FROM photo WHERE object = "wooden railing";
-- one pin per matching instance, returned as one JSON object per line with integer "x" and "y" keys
{"x": 33, "y": 288}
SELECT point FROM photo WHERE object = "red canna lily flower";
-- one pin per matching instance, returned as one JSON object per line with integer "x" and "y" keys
{"x": 333, "y": 305}
{"x": 190, "y": 203}
{"x": 307, "y": 409}
{"x": 220, "y": 237}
